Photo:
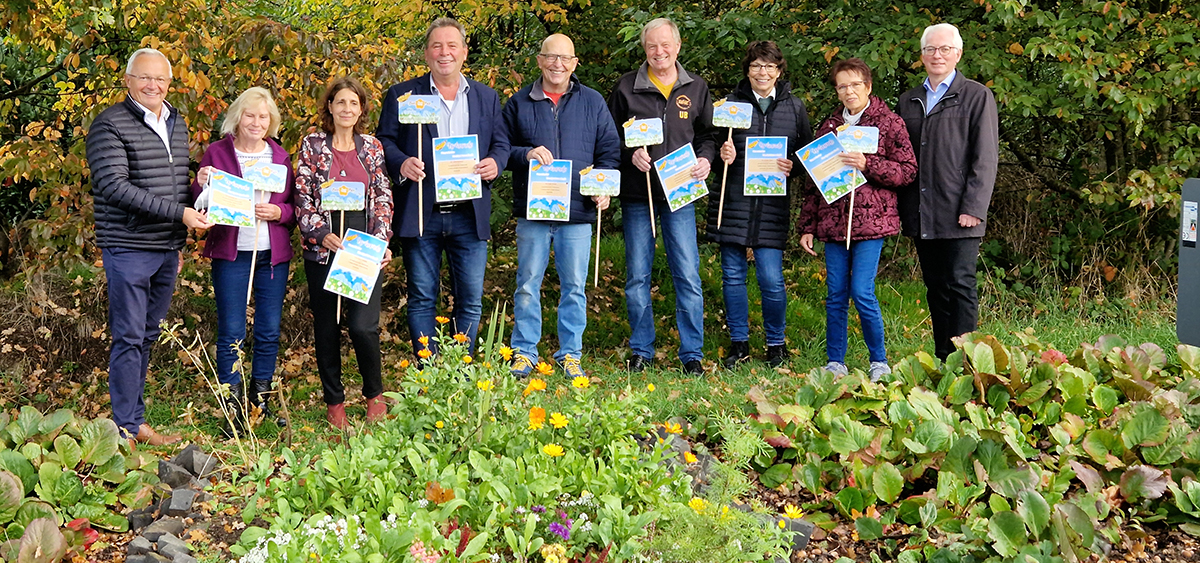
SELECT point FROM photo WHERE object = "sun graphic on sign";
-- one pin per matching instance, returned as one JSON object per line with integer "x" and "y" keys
{"x": 344, "y": 189}
{"x": 420, "y": 104}
{"x": 600, "y": 177}
{"x": 732, "y": 110}
{"x": 645, "y": 127}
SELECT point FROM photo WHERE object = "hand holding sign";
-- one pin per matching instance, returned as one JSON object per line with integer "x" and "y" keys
{"x": 643, "y": 133}
{"x": 342, "y": 197}
{"x": 418, "y": 110}
{"x": 734, "y": 115}
{"x": 601, "y": 183}
{"x": 822, "y": 159}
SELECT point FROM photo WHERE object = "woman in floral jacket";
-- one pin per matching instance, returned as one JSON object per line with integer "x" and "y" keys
{"x": 341, "y": 152}
{"x": 851, "y": 272}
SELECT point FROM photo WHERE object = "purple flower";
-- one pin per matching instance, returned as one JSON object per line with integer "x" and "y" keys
{"x": 563, "y": 532}
{"x": 539, "y": 509}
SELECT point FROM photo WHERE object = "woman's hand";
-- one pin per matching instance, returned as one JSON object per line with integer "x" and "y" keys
{"x": 728, "y": 152}
{"x": 854, "y": 160}
{"x": 267, "y": 212}
{"x": 806, "y": 242}
{"x": 387, "y": 257}
{"x": 332, "y": 242}
{"x": 204, "y": 174}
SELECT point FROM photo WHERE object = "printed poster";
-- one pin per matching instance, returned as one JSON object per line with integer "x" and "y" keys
{"x": 833, "y": 179}
{"x": 731, "y": 114}
{"x": 266, "y": 175}
{"x": 418, "y": 108}
{"x": 675, "y": 173}
{"x": 643, "y": 132}
{"x": 763, "y": 175}
{"x": 454, "y": 160}
{"x": 599, "y": 181}
{"x": 343, "y": 196}
{"x": 549, "y": 191}
{"x": 232, "y": 200}
{"x": 355, "y": 267}
{"x": 1189, "y": 224}
{"x": 859, "y": 139}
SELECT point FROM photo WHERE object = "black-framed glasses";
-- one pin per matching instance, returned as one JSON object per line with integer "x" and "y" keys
{"x": 555, "y": 58}
{"x": 945, "y": 50}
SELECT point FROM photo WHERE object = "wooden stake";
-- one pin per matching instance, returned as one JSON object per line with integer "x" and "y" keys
{"x": 850, "y": 219}
{"x": 650, "y": 199}
{"x": 342, "y": 220}
{"x": 253, "y": 262}
{"x": 596, "y": 279}
{"x": 721, "y": 207}
{"x": 420, "y": 185}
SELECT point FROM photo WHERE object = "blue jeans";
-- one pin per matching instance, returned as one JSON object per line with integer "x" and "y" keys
{"x": 851, "y": 273}
{"x": 679, "y": 237}
{"x": 768, "y": 264}
{"x": 230, "y": 280}
{"x": 572, "y": 248}
{"x": 140, "y": 285}
{"x": 466, "y": 255}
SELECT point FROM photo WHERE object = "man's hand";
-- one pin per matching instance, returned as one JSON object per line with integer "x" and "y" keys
{"x": 487, "y": 169}
{"x": 602, "y": 202}
{"x": 967, "y": 221}
{"x": 701, "y": 169}
{"x": 267, "y": 212}
{"x": 196, "y": 219}
{"x": 413, "y": 169}
{"x": 540, "y": 154}
{"x": 641, "y": 159}
{"x": 806, "y": 242}
{"x": 332, "y": 242}
{"x": 728, "y": 152}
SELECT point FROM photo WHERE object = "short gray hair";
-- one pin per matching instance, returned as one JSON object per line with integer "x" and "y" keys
{"x": 445, "y": 22}
{"x": 249, "y": 98}
{"x": 958, "y": 42}
{"x": 657, "y": 23}
{"x": 145, "y": 51}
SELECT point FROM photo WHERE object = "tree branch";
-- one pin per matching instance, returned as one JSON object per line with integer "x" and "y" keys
{"x": 1028, "y": 164}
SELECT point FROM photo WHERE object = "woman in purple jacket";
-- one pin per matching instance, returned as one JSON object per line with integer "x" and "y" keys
{"x": 246, "y": 146}
{"x": 851, "y": 272}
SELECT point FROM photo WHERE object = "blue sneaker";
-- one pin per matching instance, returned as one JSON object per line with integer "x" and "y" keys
{"x": 570, "y": 366}
{"x": 521, "y": 366}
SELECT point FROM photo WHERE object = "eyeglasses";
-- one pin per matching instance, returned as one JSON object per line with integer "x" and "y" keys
{"x": 843, "y": 88}
{"x": 161, "y": 81}
{"x": 769, "y": 67}
{"x": 945, "y": 50}
{"x": 555, "y": 58}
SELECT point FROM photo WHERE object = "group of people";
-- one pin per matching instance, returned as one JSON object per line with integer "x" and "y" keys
{"x": 930, "y": 178}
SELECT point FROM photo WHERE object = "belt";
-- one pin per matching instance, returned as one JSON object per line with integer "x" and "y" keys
{"x": 450, "y": 207}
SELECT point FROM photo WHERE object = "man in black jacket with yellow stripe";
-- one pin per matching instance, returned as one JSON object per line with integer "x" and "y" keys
{"x": 137, "y": 151}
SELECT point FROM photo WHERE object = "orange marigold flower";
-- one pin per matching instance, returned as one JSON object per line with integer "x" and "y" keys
{"x": 424, "y": 354}
{"x": 442, "y": 320}
{"x": 544, "y": 368}
{"x": 403, "y": 363}
{"x": 424, "y": 340}
{"x": 467, "y": 359}
{"x": 460, "y": 338}
{"x": 673, "y": 428}
{"x": 537, "y": 418}
{"x": 535, "y": 384}
{"x": 689, "y": 457}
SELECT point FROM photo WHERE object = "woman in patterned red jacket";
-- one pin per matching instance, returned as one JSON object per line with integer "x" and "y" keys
{"x": 851, "y": 272}
{"x": 342, "y": 152}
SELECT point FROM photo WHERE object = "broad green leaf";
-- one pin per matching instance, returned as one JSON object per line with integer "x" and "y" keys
{"x": 1034, "y": 510}
{"x": 11, "y": 494}
{"x": 1011, "y": 482}
{"x": 42, "y": 543}
{"x": 1105, "y": 398}
{"x": 1141, "y": 482}
{"x": 99, "y": 441}
{"x": 933, "y": 435}
{"x": 961, "y": 390}
{"x": 1189, "y": 357}
{"x": 15, "y": 463}
{"x": 776, "y": 475}
{"x": 34, "y": 509}
{"x": 27, "y": 424}
{"x": 1147, "y": 428}
{"x": 809, "y": 475}
{"x": 868, "y": 528}
{"x": 1034, "y": 393}
{"x": 957, "y": 460}
{"x": 1007, "y": 530}
{"x": 69, "y": 489}
{"x": 848, "y": 436}
{"x": 848, "y": 499}
{"x": 68, "y": 451}
{"x": 54, "y": 421}
{"x": 1102, "y": 446}
{"x": 1169, "y": 451}
{"x": 1191, "y": 529}
{"x": 929, "y": 406}
{"x": 983, "y": 359}
{"x": 111, "y": 521}
{"x": 887, "y": 482}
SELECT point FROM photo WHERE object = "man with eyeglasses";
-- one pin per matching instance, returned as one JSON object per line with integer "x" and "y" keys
{"x": 954, "y": 128}
{"x": 137, "y": 151}
{"x": 556, "y": 117}
{"x": 662, "y": 88}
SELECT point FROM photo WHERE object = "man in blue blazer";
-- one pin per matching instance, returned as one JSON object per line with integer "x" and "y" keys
{"x": 461, "y": 228}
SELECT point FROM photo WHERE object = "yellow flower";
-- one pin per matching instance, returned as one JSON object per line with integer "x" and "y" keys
{"x": 424, "y": 354}
{"x": 544, "y": 368}
{"x": 650, "y": 387}
{"x": 552, "y": 450}
{"x": 537, "y": 418}
{"x": 581, "y": 382}
{"x": 783, "y": 525}
{"x": 506, "y": 353}
{"x": 403, "y": 364}
{"x": 467, "y": 359}
{"x": 793, "y": 512}
{"x": 460, "y": 338}
{"x": 424, "y": 340}
{"x": 724, "y": 512}
{"x": 673, "y": 428}
{"x": 689, "y": 457}
{"x": 442, "y": 320}
{"x": 557, "y": 420}
{"x": 428, "y": 436}
{"x": 535, "y": 384}
{"x": 484, "y": 385}
{"x": 697, "y": 504}
{"x": 440, "y": 424}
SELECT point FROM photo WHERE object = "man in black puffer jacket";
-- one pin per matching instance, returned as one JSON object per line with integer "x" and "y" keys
{"x": 137, "y": 151}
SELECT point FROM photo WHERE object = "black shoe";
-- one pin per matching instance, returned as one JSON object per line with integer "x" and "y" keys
{"x": 638, "y": 364}
{"x": 260, "y": 389}
{"x": 738, "y": 353}
{"x": 693, "y": 367}
{"x": 234, "y": 410}
{"x": 776, "y": 355}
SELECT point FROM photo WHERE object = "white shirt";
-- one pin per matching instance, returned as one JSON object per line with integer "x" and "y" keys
{"x": 158, "y": 122}
{"x": 455, "y": 119}
{"x": 852, "y": 119}
{"x": 246, "y": 239}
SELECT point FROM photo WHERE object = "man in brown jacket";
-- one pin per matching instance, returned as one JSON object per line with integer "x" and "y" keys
{"x": 954, "y": 128}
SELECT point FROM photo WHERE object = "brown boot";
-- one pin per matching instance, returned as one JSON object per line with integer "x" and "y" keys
{"x": 376, "y": 409}
{"x": 336, "y": 415}
{"x": 147, "y": 435}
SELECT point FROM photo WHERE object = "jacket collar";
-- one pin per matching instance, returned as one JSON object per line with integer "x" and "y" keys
{"x": 642, "y": 82}
{"x": 783, "y": 90}
{"x": 140, "y": 113}
{"x": 537, "y": 93}
{"x": 327, "y": 140}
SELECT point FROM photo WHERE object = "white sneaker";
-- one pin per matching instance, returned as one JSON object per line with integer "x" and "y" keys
{"x": 837, "y": 368}
{"x": 878, "y": 370}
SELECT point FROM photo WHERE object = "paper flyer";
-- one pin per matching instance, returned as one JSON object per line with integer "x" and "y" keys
{"x": 763, "y": 176}
{"x": 232, "y": 201}
{"x": 454, "y": 160}
{"x": 266, "y": 175}
{"x": 833, "y": 179}
{"x": 859, "y": 139}
{"x": 549, "y": 196}
{"x": 343, "y": 196}
{"x": 355, "y": 267}
{"x": 643, "y": 132}
{"x": 599, "y": 181}
{"x": 675, "y": 173}
{"x": 1189, "y": 223}
{"x": 732, "y": 114}
{"x": 419, "y": 109}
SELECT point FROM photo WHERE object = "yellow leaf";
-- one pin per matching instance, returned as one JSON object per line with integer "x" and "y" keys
{"x": 1016, "y": 49}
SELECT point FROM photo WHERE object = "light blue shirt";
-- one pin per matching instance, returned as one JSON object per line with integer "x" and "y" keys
{"x": 454, "y": 120}
{"x": 934, "y": 95}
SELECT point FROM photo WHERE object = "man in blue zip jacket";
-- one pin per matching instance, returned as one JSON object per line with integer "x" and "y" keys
{"x": 137, "y": 151}
{"x": 461, "y": 229}
{"x": 556, "y": 117}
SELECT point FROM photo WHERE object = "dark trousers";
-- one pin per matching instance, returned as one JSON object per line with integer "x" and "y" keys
{"x": 362, "y": 322}
{"x": 948, "y": 268}
{"x": 140, "y": 285}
